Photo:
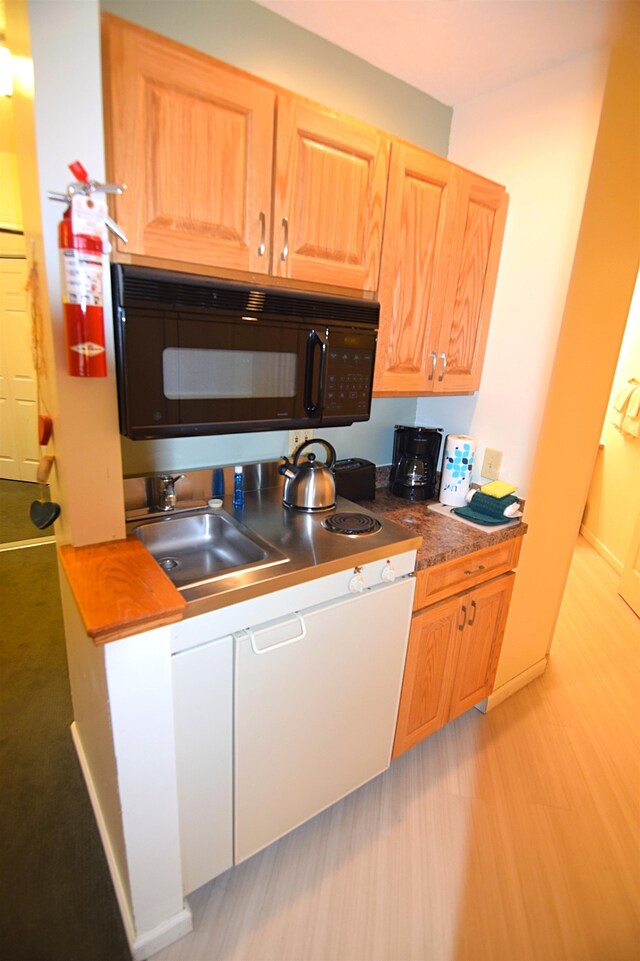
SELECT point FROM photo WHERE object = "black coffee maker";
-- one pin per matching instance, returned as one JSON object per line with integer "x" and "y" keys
{"x": 416, "y": 451}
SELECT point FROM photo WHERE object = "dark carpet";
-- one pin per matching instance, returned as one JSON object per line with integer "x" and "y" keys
{"x": 16, "y": 498}
{"x": 56, "y": 897}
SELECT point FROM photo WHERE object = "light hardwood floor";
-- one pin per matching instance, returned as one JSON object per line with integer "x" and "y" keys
{"x": 511, "y": 836}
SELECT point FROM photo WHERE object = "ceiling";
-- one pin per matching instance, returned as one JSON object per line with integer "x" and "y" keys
{"x": 456, "y": 50}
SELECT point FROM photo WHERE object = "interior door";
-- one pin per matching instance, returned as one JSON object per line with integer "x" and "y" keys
{"x": 629, "y": 589}
{"x": 19, "y": 450}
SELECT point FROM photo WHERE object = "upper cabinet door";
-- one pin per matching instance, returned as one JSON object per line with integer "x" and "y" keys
{"x": 480, "y": 222}
{"x": 193, "y": 141}
{"x": 418, "y": 238}
{"x": 329, "y": 197}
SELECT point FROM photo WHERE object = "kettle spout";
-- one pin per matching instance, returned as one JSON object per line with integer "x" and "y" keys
{"x": 287, "y": 468}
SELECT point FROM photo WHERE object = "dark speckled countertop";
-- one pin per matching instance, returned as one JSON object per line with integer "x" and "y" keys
{"x": 443, "y": 538}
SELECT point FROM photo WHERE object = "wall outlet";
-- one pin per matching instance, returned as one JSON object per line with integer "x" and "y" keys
{"x": 297, "y": 437}
{"x": 491, "y": 464}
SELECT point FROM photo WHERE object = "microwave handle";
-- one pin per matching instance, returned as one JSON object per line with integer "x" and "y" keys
{"x": 314, "y": 343}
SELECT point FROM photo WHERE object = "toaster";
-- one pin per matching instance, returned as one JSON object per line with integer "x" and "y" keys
{"x": 355, "y": 479}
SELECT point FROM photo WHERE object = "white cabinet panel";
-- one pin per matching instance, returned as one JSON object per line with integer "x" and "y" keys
{"x": 315, "y": 712}
{"x": 203, "y": 711}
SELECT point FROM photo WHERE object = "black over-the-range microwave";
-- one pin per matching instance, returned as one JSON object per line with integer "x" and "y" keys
{"x": 196, "y": 355}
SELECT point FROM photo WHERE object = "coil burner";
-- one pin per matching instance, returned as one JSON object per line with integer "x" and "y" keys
{"x": 351, "y": 524}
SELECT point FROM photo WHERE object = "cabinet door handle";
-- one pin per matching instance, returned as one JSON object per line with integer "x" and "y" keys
{"x": 434, "y": 361}
{"x": 476, "y": 570}
{"x": 263, "y": 230}
{"x": 443, "y": 357}
{"x": 463, "y": 611}
{"x": 285, "y": 248}
{"x": 474, "y": 608}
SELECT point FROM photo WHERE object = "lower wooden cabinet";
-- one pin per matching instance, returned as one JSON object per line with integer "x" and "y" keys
{"x": 452, "y": 657}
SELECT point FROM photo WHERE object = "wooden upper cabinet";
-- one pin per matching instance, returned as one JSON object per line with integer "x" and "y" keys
{"x": 193, "y": 140}
{"x": 442, "y": 241}
{"x": 418, "y": 240}
{"x": 329, "y": 196}
{"x": 473, "y": 271}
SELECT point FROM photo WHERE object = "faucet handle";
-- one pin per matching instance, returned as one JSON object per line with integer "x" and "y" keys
{"x": 164, "y": 495}
{"x": 170, "y": 480}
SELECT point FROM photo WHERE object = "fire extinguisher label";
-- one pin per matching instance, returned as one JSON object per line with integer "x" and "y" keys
{"x": 88, "y": 349}
{"x": 88, "y": 215}
{"x": 81, "y": 278}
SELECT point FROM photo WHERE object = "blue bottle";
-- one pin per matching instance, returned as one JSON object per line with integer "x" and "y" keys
{"x": 238, "y": 487}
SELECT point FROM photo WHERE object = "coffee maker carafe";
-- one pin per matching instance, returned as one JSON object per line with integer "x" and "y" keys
{"x": 416, "y": 451}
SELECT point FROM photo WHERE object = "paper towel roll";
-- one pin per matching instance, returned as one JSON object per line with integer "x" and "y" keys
{"x": 459, "y": 452}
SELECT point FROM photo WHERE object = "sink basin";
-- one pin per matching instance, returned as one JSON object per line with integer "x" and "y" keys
{"x": 200, "y": 547}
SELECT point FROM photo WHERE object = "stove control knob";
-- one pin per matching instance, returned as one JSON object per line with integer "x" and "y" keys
{"x": 388, "y": 572}
{"x": 356, "y": 584}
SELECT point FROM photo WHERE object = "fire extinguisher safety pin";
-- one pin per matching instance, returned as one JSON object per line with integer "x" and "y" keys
{"x": 109, "y": 222}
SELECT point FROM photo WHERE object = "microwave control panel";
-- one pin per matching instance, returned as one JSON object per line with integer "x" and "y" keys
{"x": 349, "y": 374}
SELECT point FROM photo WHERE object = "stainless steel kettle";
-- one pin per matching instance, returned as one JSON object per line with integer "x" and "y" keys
{"x": 310, "y": 485}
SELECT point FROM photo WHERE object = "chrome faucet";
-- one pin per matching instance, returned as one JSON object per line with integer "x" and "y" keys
{"x": 163, "y": 491}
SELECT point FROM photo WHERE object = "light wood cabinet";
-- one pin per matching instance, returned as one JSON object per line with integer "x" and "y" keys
{"x": 329, "y": 197}
{"x": 193, "y": 140}
{"x": 473, "y": 272}
{"x": 209, "y": 182}
{"x": 454, "y": 643}
{"x": 442, "y": 241}
{"x": 481, "y": 629}
{"x": 226, "y": 171}
{"x": 418, "y": 242}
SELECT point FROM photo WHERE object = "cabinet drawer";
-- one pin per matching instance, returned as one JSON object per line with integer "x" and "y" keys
{"x": 444, "y": 580}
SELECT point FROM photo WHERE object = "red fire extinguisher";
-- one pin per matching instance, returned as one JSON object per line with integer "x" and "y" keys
{"x": 81, "y": 239}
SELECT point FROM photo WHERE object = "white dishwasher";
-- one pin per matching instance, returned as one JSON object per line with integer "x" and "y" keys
{"x": 316, "y": 702}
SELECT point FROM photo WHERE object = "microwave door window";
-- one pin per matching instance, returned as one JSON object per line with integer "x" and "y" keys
{"x": 147, "y": 408}
{"x": 200, "y": 373}
{"x": 236, "y": 374}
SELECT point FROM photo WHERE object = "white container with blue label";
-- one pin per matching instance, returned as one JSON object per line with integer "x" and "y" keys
{"x": 457, "y": 464}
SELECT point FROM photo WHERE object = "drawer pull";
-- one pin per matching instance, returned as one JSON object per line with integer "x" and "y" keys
{"x": 476, "y": 570}
{"x": 463, "y": 611}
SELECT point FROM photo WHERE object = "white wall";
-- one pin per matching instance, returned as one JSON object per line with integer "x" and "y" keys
{"x": 614, "y": 495}
{"x": 372, "y": 439}
{"x": 63, "y": 123}
{"x": 536, "y": 137}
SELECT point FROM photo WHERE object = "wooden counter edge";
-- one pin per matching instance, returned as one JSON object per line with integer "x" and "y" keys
{"x": 119, "y": 589}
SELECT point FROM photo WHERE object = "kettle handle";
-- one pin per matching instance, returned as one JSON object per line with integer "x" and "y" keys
{"x": 327, "y": 446}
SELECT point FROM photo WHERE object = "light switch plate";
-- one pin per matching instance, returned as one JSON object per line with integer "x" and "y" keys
{"x": 491, "y": 464}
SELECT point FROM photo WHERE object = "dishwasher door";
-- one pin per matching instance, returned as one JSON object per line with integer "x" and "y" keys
{"x": 316, "y": 702}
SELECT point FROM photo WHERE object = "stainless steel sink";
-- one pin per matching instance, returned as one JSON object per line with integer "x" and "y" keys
{"x": 203, "y": 546}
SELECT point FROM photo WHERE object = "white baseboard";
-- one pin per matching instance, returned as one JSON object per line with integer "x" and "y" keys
{"x": 512, "y": 686}
{"x": 602, "y": 550}
{"x": 143, "y": 945}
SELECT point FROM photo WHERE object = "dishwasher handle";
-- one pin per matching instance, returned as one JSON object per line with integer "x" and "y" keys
{"x": 276, "y": 634}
